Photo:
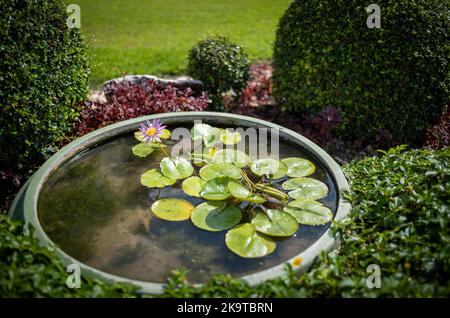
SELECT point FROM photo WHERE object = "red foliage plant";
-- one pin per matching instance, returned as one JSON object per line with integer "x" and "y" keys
{"x": 438, "y": 136}
{"x": 131, "y": 101}
{"x": 258, "y": 91}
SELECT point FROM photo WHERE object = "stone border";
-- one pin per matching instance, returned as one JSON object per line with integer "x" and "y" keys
{"x": 25, "y": 204}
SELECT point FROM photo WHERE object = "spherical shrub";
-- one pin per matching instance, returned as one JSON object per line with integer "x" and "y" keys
{"x": 394, "y": 78}
{"x": 221, "y": 65}
{"x": 44, "y": 72}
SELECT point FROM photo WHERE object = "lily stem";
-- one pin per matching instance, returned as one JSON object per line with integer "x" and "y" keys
{"x": 162, "y": 149}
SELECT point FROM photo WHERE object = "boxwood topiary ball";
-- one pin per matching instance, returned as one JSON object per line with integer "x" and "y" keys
{"x": 395, "y": 77}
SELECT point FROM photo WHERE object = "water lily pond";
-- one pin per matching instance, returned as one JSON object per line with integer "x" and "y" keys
{"x": 128, "y": 208}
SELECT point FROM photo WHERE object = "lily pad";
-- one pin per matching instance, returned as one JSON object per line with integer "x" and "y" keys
{"x": 281, "y": 172}
{"x": 275, "y": 223}
{"x": 246, "y": 242}
{"x": 306, "y": 188}
{"x": 309, "y": 212}
{"x": 216, "y": 189}
{"x": 254, "y": 198}
{"x": 215, "y": 170}
{"x": 172, "y": 209}
{"x": 214, "y": 216}
{"x": 265, "y": 166}
{"x": 165, "y": 134}
{"x": 299, "y": 167}
{"x": 210, "y": 135}
{"x": 176, "y": 168}
{"x": 238, "y": 190}
{"x": 139, "y": 135}
{"x": 143, "y": 150}
{"x": 230, "y": 137}
{"x": 193, "y": 185}
{"x": 236, "y": 157}
{"x": 154, "y": 179}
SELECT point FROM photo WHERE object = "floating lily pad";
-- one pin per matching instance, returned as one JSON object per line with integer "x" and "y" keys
{"x": 265, "y": 166}
{"x": 193, "y": 185}
{"x": 230, "y": 137}
{"x": 281, "y": 172}
{"x": 238, "y": 190}
{"x": 215, "y": 170}
{"x": 210, "y": 135}
{"x": 176, "y": 168}
{"x": 244, "y": 241}
{"x": 214, "y": 216}
{"x": 216, "y": 189}
{"x": 172, "y": 209}
{"x": 309, "y": 212}
{"x": 139, "y": 135}
{"x": 165, "y": 134}
{"x": 306, "y": 188}
{"x": 298, "y": 167}
{"x": 254, "y": 198}
{"x": 143, "y": 150}
{"x": 199, "y": 130}
{"x": 154, "y": 179}
{"x": 275, "y": 223}
{"x": 236, "y": 157}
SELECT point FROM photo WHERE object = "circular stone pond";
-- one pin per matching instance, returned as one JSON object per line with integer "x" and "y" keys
{"x": 88, "y": 202}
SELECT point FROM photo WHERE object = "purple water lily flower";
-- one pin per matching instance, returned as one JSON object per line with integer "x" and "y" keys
{"x": 151, "y": 130}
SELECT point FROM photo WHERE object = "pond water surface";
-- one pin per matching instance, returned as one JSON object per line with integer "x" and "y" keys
{"x": 96, "y": 210}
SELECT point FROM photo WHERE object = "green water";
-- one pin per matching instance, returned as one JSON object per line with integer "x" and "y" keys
{"x": 95, "y": 209}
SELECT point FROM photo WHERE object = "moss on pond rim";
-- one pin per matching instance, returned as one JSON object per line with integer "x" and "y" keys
{"x": 95, "y": 210}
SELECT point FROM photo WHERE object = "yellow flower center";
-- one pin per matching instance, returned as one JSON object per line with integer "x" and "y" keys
{"x": 151, "y": 131}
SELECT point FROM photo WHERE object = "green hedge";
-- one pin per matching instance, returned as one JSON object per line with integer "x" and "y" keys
{"x": 400, "y": 221}
{"x": 395, "y": 78}
{"x": 221, "y": 65}
{"x": 29, "y": 270}
{"x": 44, "y": 73}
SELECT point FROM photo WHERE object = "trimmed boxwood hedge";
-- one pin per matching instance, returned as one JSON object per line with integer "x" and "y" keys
{"x": 221, "y": 65}
{"x": 395, "y": 78}
{"x": 44, "y": 72}
{"x": 400, "y": 221}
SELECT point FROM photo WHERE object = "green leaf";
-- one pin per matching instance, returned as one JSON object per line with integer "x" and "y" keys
{"x": 139, "y": 135}
{"x": 254, "y": 198}
{"x": 268, "y": 167}
{"x": 176, "y": 168}
{"x": 210, "y": 135}
{"x": 236, "y": 157}
{"x": 214, "y": 216}
{"x": 238, "y": 190}
{"x": 281, "y": 172}
{"x": 299, "y": 167}
{"x": 193, "y": 185}
{"x": 306, "y": 188}
{"x": 172, "y": 209}
{"x": 215, "y": 170}
{"x": 275, "y": 223}
{"x": 154, "y": 179}
{"x": 230, "y": 138}
{"x": 244, "y": 241}
{"x": 143, "y": 150}
{"x": 216, "y": 189}
{"x": 309, "y": 212}
{"x": 165, "y": 134}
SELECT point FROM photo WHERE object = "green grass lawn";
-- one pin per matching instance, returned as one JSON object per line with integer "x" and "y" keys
{"x": 154, "y": 36}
